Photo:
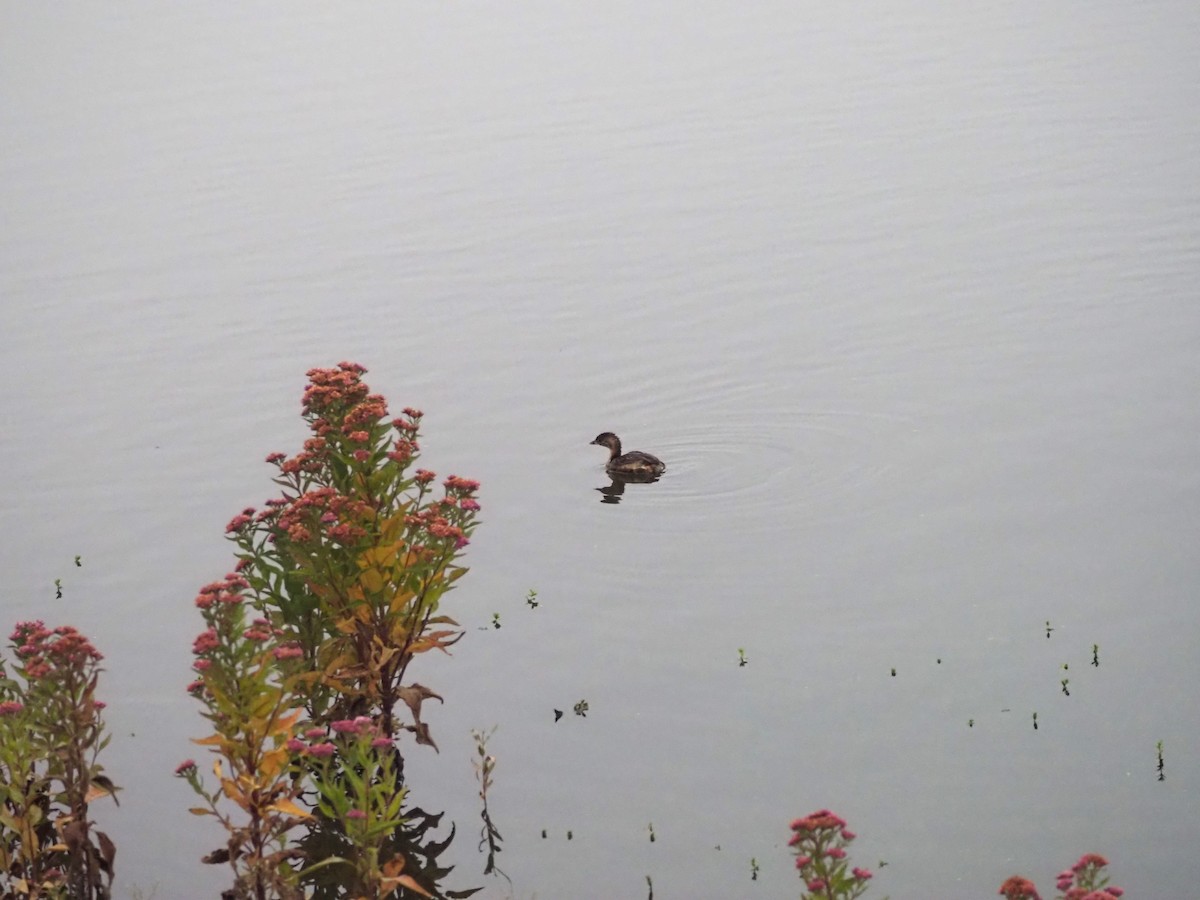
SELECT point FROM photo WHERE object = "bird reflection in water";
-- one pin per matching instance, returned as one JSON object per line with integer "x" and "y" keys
{"x": 614, "y": 491}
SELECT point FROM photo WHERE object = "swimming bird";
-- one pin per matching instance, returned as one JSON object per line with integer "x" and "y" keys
{"x": 634, "y": 463}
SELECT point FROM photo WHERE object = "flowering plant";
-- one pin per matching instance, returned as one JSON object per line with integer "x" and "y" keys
{"x": 819, "y": 841}
{"x": 341, "y": 577}
{"x": 51, "y": 733}
{"x": 1086, "y": 880}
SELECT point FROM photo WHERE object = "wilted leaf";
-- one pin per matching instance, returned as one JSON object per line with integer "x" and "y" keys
{"x": 102, "y": 786}
{"x": 108, "y": 851}
{"x": 289, "y": 808}
{"x": 405, "y": 881}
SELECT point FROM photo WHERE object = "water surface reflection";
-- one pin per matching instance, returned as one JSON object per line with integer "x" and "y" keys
{"x": 613, "y": 492}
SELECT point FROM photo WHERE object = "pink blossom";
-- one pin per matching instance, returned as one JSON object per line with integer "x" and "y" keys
{"x": 861, "y": 874}
{"x": 1018, "y": 888}
{"x": 324, "y": 750}
{"x": 237, "y": 523}
{"x": 205, "y": 642}
{"x": 835, "y": 853}
{"x": 356, "y": 814}
{"x": 185, "y": 768}
{"x": 10, "y": 707}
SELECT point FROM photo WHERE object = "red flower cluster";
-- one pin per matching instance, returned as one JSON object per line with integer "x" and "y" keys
{"x": 822, "y": 818}
{"x": 229, "y": 590}
{"x": 820, "y": 840}
{"x": 44, "y": 651}
{"x": 313, "y": 512}
{"x": 1079, "y": 881}
{"x": 1083, "y": 881}
{"x": 1018, "y": 888}
{"x": 10, "y": 707}
{"x": 334, "y": 391}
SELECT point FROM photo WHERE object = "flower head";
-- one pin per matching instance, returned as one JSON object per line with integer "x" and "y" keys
{"x": 1018, "y": 888}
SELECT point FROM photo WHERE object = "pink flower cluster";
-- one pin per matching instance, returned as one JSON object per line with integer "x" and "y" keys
{"x": 362, "y": 726}
{"x": 334, "y": 391}
{"x": 323, "y": 511}
{"x": 316, "y": 743}
{"x": 1083, "y": 881}
{"x": 44, "y": 651}
{"x": 228, "y": 590}
{"x": 819, "y": 841}
{"x": 1018, "y": 888}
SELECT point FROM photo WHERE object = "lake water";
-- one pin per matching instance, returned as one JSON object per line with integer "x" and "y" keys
{"x": 906, "y": 295}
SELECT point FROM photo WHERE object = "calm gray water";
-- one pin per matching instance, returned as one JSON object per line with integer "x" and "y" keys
{"x": 905, "y": 294}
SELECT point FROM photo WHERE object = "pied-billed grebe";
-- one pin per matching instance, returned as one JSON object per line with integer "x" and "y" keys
{"x": 635, "y": 462}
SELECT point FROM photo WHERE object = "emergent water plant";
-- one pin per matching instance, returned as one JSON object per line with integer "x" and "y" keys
{"x": 302, "y": 665}
{"x": 51, "y": 733}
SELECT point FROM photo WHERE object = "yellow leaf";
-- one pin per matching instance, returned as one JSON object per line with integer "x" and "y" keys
{"x": 402, "y": 599}
{"x": 201, "y": 811}
{"x": 213, "y": 740}
{"x": 289, "y": 808}
{"x": 290, "y": 719}
{"x": 233, "y": 792}
{"x": 371, "y": 580}
{"x": 273, "y": 761}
